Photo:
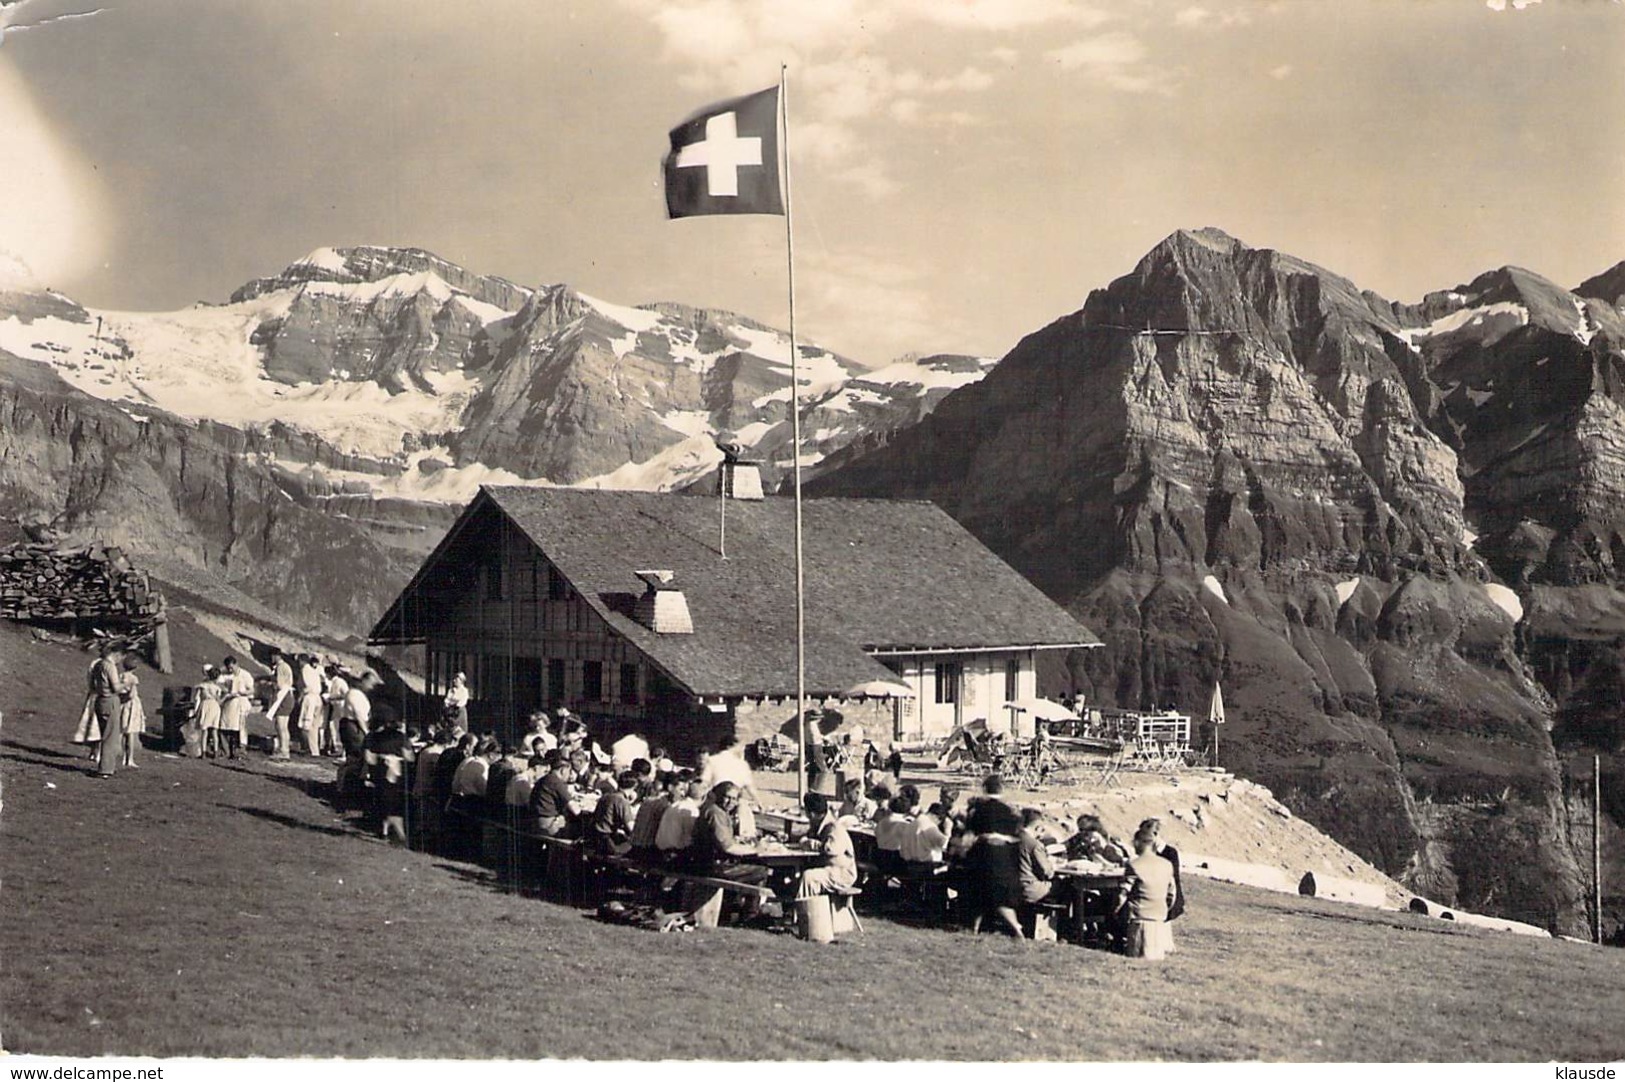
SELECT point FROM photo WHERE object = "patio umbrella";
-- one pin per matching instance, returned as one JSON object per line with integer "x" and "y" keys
{"x": 879, "y": 689}
{"x": 1042, "y": 709}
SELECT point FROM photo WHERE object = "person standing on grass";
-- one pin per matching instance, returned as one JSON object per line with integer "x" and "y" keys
{"x": 355, "y": 721}
{"x": 310, "y": 704}
{"x": 284, "y": 693}
{"x": 1147, "y": 895}
{"x": 236, "y": 687}
{"x": 387, "y": 752}
{"x": 103, "y": 682}
{"x": 132, "y": 718}
{"x": 992, "y": 874}
{"x": 336, "y": 690}
{"x": 1153, "y": 826}
{"x": 206, "y": 699}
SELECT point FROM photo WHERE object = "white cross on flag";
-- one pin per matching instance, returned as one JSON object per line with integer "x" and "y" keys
{"x": 725, "y": 159}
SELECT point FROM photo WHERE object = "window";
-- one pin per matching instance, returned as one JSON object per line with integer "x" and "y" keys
{"x": 555, "y": 680}
{"x": 948, "y": 674}
{"x": 1012, "y": 679}
{"x": 592, "y": 681}
{"x": 629, "y": 684}
{"x": 493, "y": 581}
{"x": 557, "y": 588}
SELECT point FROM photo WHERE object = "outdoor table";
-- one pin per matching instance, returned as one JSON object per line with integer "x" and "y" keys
{"x": 788, "y": 823}
{"x": 786, "y": 862}
{"x": 1076, "y": 880}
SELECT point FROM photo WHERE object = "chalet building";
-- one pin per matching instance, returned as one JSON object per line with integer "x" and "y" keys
{"x": 622, "y": 606}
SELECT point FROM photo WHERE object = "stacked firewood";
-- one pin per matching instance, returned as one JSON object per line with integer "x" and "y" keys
{"x": 89, "y": 582}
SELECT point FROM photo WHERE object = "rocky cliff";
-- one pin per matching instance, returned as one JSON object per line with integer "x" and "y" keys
{"x": 1378, "y": 525}
{"x": 186, "y": 503}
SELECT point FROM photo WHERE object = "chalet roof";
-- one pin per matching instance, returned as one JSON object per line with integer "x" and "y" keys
{"x": 880, "y": 575}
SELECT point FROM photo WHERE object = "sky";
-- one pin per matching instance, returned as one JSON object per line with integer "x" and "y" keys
{"x": 964, "y": 171}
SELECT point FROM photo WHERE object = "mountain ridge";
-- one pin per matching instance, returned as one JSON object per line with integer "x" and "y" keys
{"x": 1236, "y": 466}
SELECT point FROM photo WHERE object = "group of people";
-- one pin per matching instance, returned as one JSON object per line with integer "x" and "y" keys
{"x": 439, "y": 788}
{"x": 113, "y": 719}
{"x": 1003, "y": 868}
{"x": 329, "y": 705}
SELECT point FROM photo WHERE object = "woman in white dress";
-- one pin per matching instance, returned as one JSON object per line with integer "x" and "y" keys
{"x": 132, "y": 718}
{"x": 456, "y": 702}
{"x": 206, "y": 710}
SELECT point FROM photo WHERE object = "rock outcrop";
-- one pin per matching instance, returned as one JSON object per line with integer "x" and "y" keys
{"x": 1366, "y": 519}
{"x": 189, "y": 508}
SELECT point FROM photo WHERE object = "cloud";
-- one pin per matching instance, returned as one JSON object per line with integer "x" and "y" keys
{"x": 1518, "y": 5}
{"x": 51, "y": 217}
{"x": 843, "y": 85}
{"x": 1281, "y": 72}
{"x": 1196, "y": 17}
{"x": 1002, "y": 14}
{"x": 1116, "y": 60}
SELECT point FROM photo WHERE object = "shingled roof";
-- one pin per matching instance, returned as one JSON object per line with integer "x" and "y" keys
{"x": 880, "y": 575}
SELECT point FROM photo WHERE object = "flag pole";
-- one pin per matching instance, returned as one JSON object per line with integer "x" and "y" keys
{"x": 795, "y": 444}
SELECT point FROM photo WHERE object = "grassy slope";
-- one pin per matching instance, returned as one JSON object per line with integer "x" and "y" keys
{"x": 192, "y": 908}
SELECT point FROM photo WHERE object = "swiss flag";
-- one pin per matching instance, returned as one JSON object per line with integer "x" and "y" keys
{"x": 725, "y": 159}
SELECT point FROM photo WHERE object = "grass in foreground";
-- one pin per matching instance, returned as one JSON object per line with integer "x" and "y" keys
{"x": 197, "y": 909}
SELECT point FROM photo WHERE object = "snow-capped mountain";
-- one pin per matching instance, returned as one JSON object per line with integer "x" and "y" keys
{"x": 431, "y": 379}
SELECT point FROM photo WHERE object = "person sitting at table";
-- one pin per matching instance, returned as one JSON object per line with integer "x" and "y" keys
{"x": 890, "y": 829}
{"x": 647, "y": 823}
{"x": 1171, "y": 855}
{"x": 540, "y": 739}
{"x": 426, "y": 812}
{"x": 923, "y": 846}
{"x": 553, "y": 803}
{"x": 1036, "y": 868}
{"x": 676, "y": 828}
{"x": 501, "y": 771}
{"x": 521, "y": 785}
{"x": 648, "y": 784}
{"x": 468, "y": 783}
{"x": 1147, "y": 895}
{"x": 1091, "y": 843}
{"x": 613, "y": 818}
{"x": 729, "y": 765}
{"x": 714, "y": 848}
{"x": 855, "y": 804}
{"x": 839, "y": 871}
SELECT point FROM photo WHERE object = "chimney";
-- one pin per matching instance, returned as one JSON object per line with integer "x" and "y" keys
{"x": 740, "y": 480}
{"x": 662, "y": 608}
